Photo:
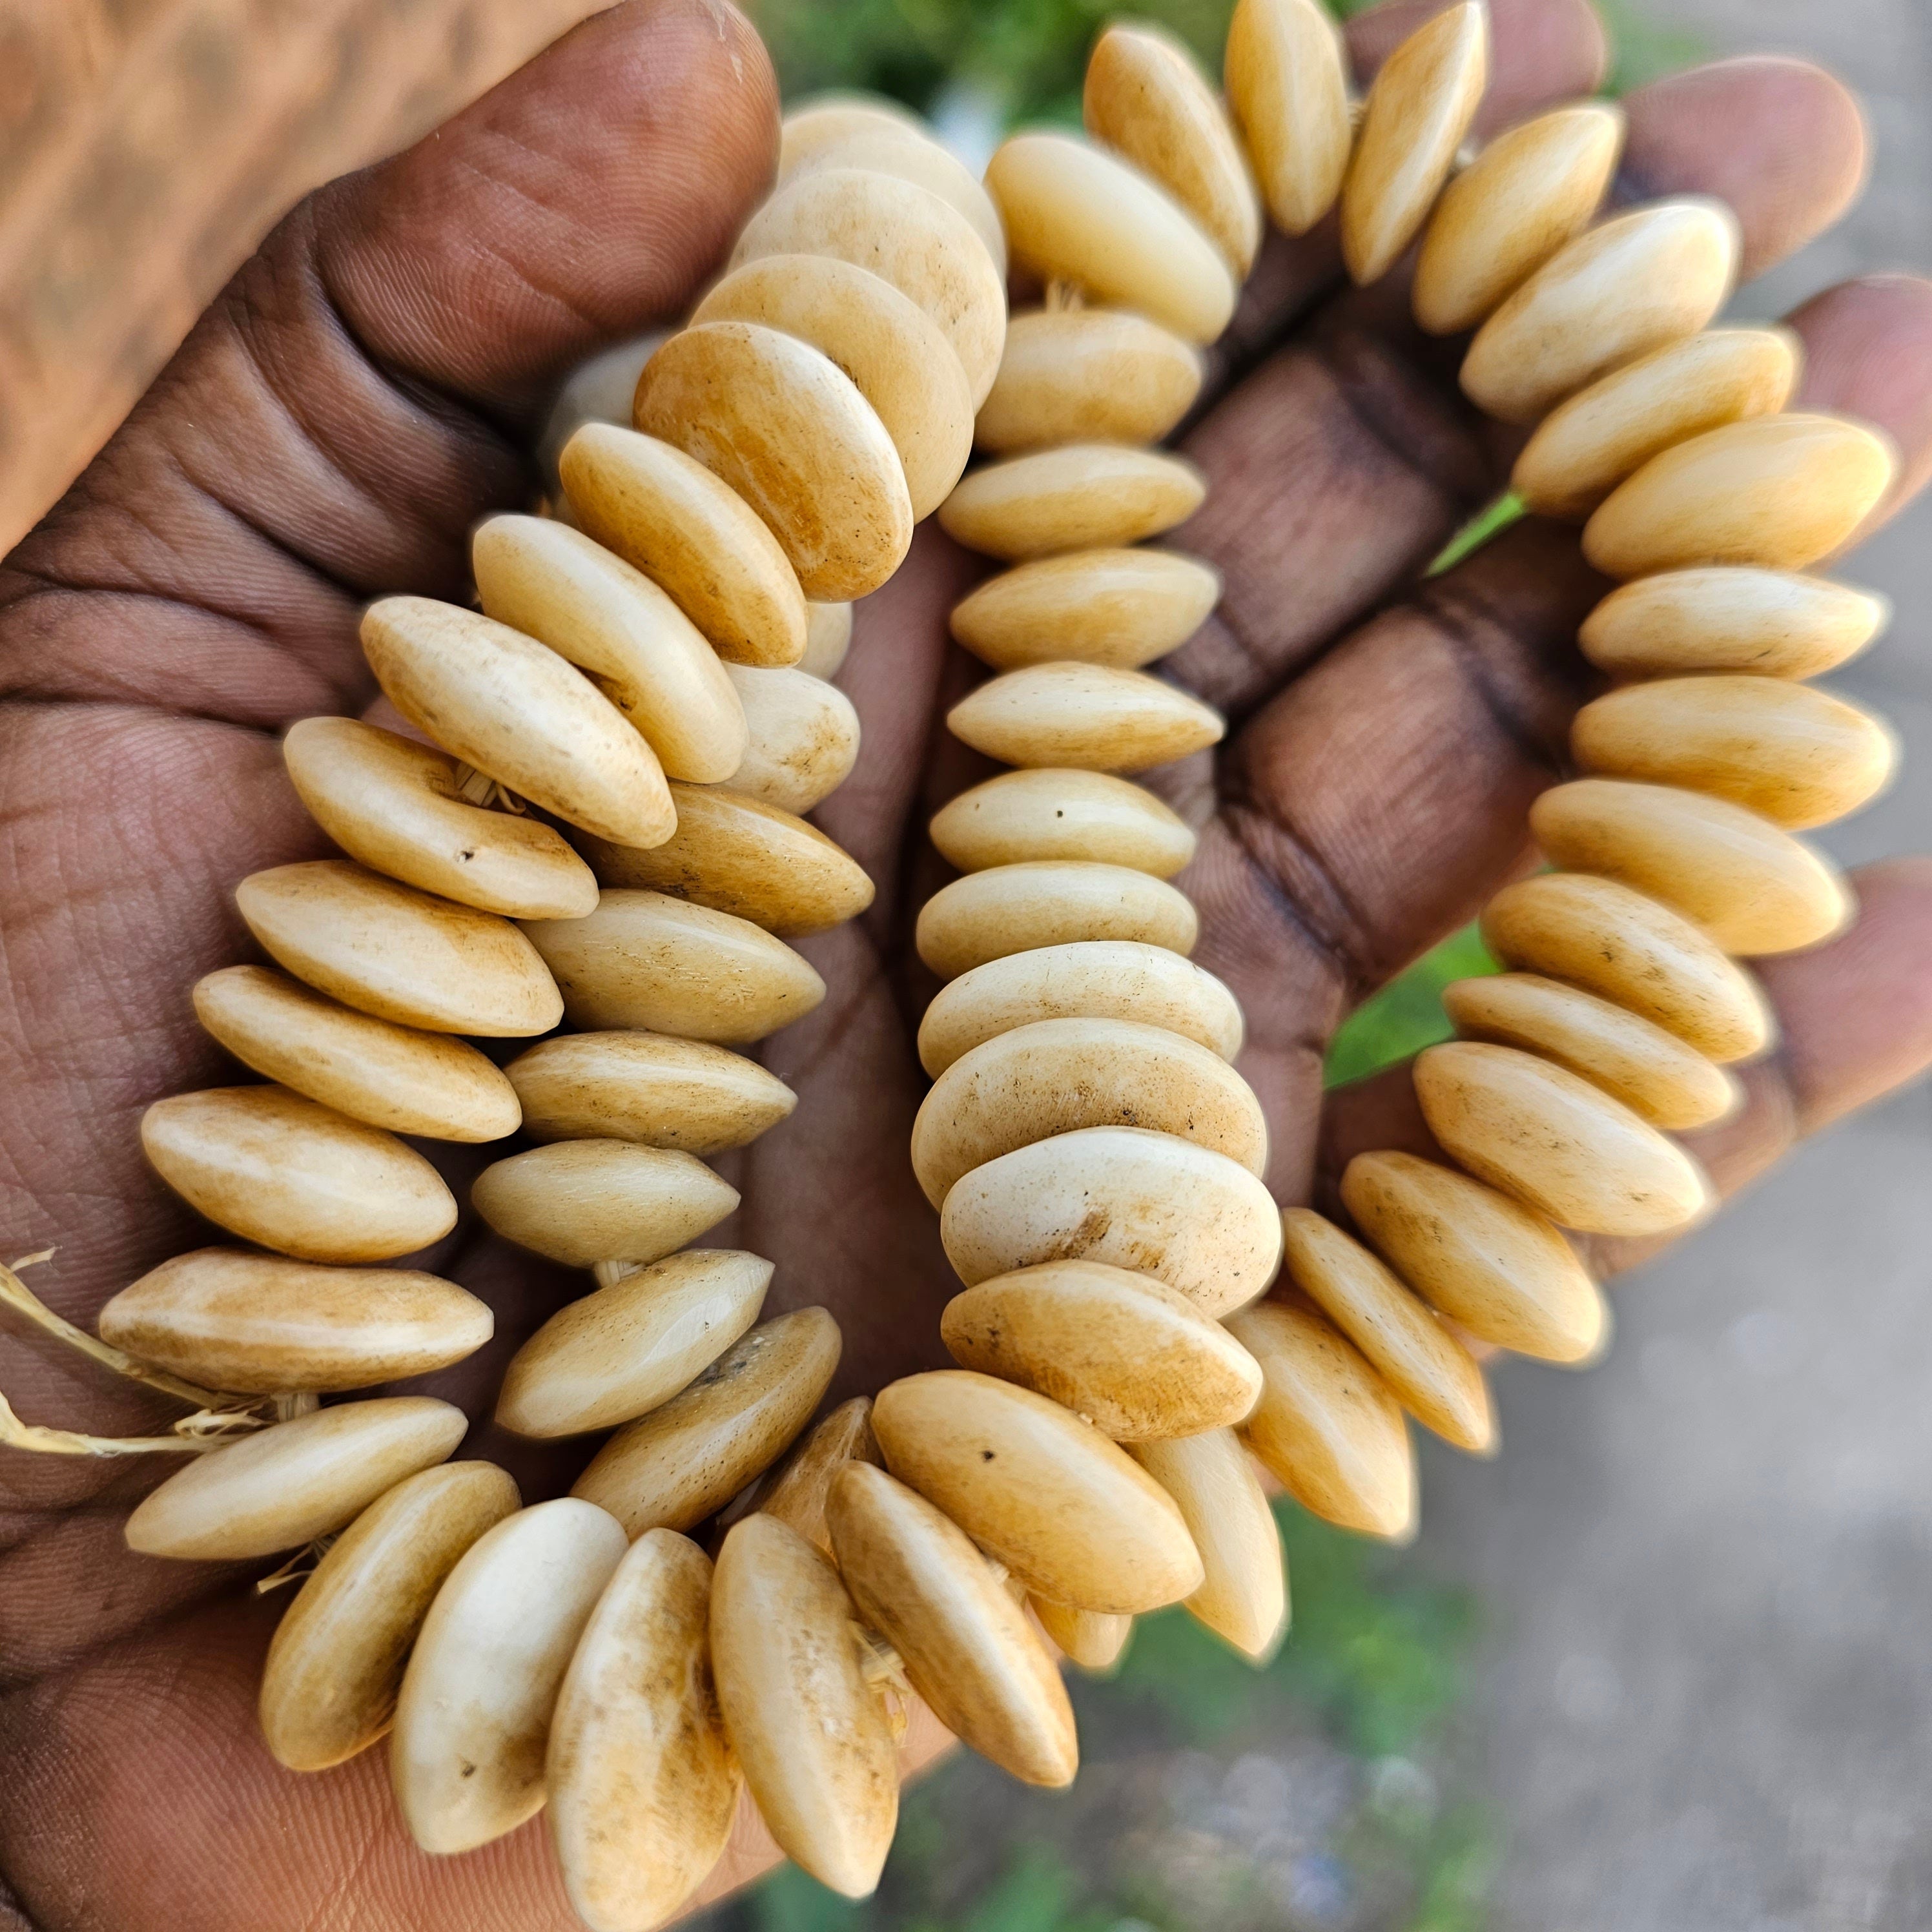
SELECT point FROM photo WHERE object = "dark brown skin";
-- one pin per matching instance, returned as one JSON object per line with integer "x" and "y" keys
{"x": 362, "y": 393}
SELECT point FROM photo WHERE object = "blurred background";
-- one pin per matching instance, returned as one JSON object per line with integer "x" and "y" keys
{"x": 1665, "y": 1665}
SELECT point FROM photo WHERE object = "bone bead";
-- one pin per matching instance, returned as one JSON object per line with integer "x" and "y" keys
{"x": 1122, "y": 607}
{"x": 552, "y": 583}
{"x": 519, "y": 712}
{"x": 824, "y": 119}
{"x": 1287, "y": 93}
{"x": 288, "y": 1484}
{"x": 1091, "y": 1640}
{"x": 399, "y": 1077}
{"x": 1102, "y": 979}
{"x": 921, "y": 161}
{"x": 1779, "y": 492}
{"x": 1754, "y": 889}
{"x": 1091, "y": 716}
{"x": 1045, "y": 813}
{"x": 1039, "y": 1490}
{"x": 231, "y": 1320}
{"x": 472, "y": 1723}
{"x": 1654, "y": 1073}
{"x": 1585, "y": 447}
{"x": 906, "y": 234}
{"x": 1521, "y": 200}
{"x": 642, "y": 1785}
{"x": 967, "y": 1648}
{"x": 1419, "y": 109}
{"x": 675, "y": 1466}
{"x": 580, "y": 1202}
{"x": 804, "y": 738}
{"x": 1085, "y": 376}
{"x": 619, "y": 1353}
{"x": 795, "y": 1489}
{"x": 302, "y": 1179}
{"x": 1124, "y": 1351}
{"x": 828, "y": 638}
{"x": 1243, "y": 1594}
{"x": 807, "y": 1726}
{"x": 1797, "y": 755}
{"x": 1010, "y": 909}
{"x": 646, "y": 1088}
{"x": 1626, "y": 948}
{"x": 1082, "y": 496}
{"x": 394, "y": 804}
{"x": 1495, "y": 1269}
{"x": 335, "y": 1663}
{"x": 1056, "y": 1076}
{"x": 1149, "y": 1202}
{"x": 1428, "y": 1370}
{"x": 644, "y": 959}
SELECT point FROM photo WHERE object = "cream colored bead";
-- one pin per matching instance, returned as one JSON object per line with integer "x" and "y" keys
{"x": 335, "y": 1663}
{"x": 1047, "y": 1495}
{"x": 1419, "y": 109}
{"x": 1093, "y": 1642}
{"x": 288, "y": 1484}
{"x": 828, "y": 638}
{"x": 394, "y": 805}
{"x": 1087, "y": 375}
{"x": 295, "y": 1176}
{"x": 231, "y": 1320}
{"x": 1151, "y": 1202}
{"x": 1103, "y": 979}
{"x": 1081, "y": 496}
{"x": 804, "y": 737}
{"x": 646, "y": 1088}
{"x": 1780, "y": 492}
{"x": 821, "y": 120}
{"x": 1046, "y": 814}
{"x": 399, "y": 1077}
{"x": 1524, "y": 196}
{"x": 1010, "y": 909}
{"x": 883, "y": 151}
{"x": 1327, "y": 1428}
{"x": 643, "y": 1787}
{"x": 1287, "y": 93}
{"x": 1611, "y": 941}
{"x": 1798, "y": 756}
{"x": 1124, "y": 1351}
{"x": 1654, "y": 1073}
{"x": 1771, "y": 623}
{"x": 645, "y": 959}
{"x": 794, "y": 1489}
{"x": 1091, "y": 716}
{"x": 675, "y": 1466}
{"x": 1754, "y": 889}
{"x": 1498, "y": 1270}
{"x": 580, "y": 1202}
{"x": 473, "y": 1723}
{"x": 1121, "y": 607}
{"x": 1585, "y": 447}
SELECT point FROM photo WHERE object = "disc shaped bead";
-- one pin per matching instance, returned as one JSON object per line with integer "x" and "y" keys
{"x": 804, "y": 738}
{"x": 1087, "y": 375}
{"x": 1287, "y": 92}
{"x": 1093, "y": 1641}
{"x": 828, "y": 638}
{"x": 1091, "y": 716}
{"x": 839, "y": 115}
{"x": 921, "y": 159}
{"x": 1047, "y": 814}
{"x": 1083, "y": 497}
{"x": 795, "y": 1489}
{"x": 1122, "y": 607}
{"x": 580, "y": 1202}
{"x": 1010, "y": 909}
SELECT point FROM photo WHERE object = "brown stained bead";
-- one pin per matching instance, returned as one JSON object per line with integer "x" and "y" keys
{"x": 1090, "y": 716}
{"x": 828, "y": 638}
{"x": 1092, "y": 1641}
{"x": 804, "y": 737}
{"x": 1120, "y": 607}
{"x": 1081, "y": 496}
{"x": 1009, "y": 909}
{"x": 794, "y": 1488}
{"x": 1087, "y": 375}
{"x": 1049, "y": 813}
{"x": 580, "y": 1202}
{"x": 883, "y": 151}
{"x": 1286, "y": 75}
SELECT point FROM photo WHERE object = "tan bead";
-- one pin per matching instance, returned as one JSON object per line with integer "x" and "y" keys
{"x": 1419, "y": 109}
{"x": 808, "y": 1729}
{"x": 1654, "y": 1073}
{"x": 1780, "y": 492}
{"x": 1754, "y": 889}
{"x": 967, "y": 1648}
{"x": 1615, "y": 942}
{"x": 229, "y": 1319}
{"x": 472, "y": 1723}
{"x": 1047, "y": 1495}
{"x": 642, "y": 1785}
{"x": 1524, "y": 196}
{"x": 399, "y": 1077}
{"x": 580, "y": 1202}
{"x": 646, "y": 1088}
{"x": 1102, "y": 979}
{"x": 922, "y": 160}
{"x": 1079, "y": 497}
{"x": 1287, "y": 92}
{"x": 1122, "y": 607}
{"x": 335, "y": 1663}
{"x": 394, "y": 805}
{"x": 1124, "y": 1351}
{"x": 289, "y": 1484}
{"x": 1585, "y": 447}
{"x": 1151, "y": 1202}
{"x": 1243, "y": 1595}
{"x": 1495, "y": 1269}
{"x": 1770, "y": 623}
{"x": 520, "y": 714}
{"x": 1090, "y": 716}
{"x": 828, "y": 638}
{"x": 804, "y": 737}
{"x": 1056, "y": 1076}
{"x": 1010, "y": 909}
{"x": 552, "y": 583}
{"x": 1045, "y": 813}
{"x": 295, "y": 1176}
{"x": 1093, "y": 1642}
{"x": 675, "y": 1466}
{"x": 1798, "y": 756}
{"x": 627, "y": 1349}
{"x": 823, "y": 119}
{"x": 1087, "y": 375}
{"x": 644, "y": 959}
{"x": 795, "y": 1489}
